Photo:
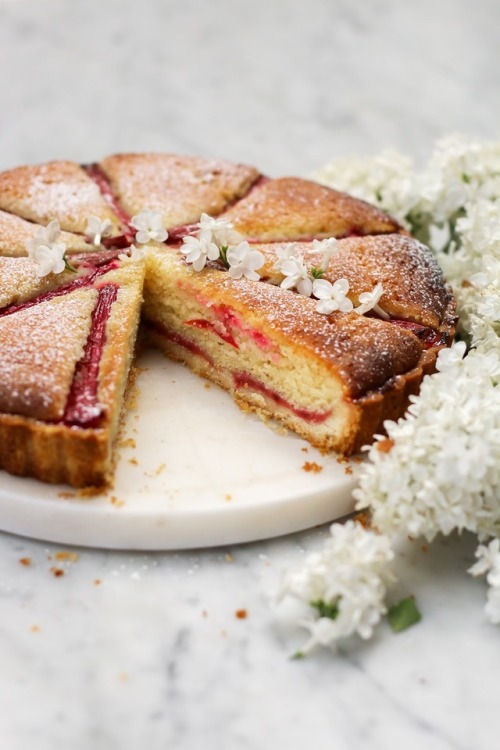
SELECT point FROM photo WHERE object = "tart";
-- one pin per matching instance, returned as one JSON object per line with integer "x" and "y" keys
{"x": 67, "y": 345}
{"x": 67, "y": 340}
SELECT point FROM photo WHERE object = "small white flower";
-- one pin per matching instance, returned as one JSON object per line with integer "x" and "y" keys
{"x": 243, "y": 261}
{"x": 97, "y": 229}
{"x": 370, "y": 300}
{"x": 349, "y": 575}
{"x": 49, "y": 259}
{"x": 222, "y": 231}
{"x": 450, "y": 358}
{"x": 46, "y": 236}
{"x": 296, "y": 275}
{"x": 150, "y": 226}
{"x": 328, "y": 248}
{"x": 284, "y": 253}
{"x": 44, "y": 250}
{"x": 200, "y": 249}
{"x": 134, "y": 255}
{"x": 332, "y": 296}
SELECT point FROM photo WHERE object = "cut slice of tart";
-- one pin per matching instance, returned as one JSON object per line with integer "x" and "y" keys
{"x": 59, "y": 190}
{"x": 332, "y": 379}
{"x": 181, "y": 187}
{"x": 66, "y": 346}
{"x": 290, "y": 208}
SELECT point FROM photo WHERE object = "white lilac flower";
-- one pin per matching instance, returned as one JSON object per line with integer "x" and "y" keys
{"x": 149, "y": 224}
{"x": 331, "y": 296}
{"x": 489, "y": 562}
{"x": 450, "y": 358}
{"x": 369, "y": 301}
{"x": 97, "y": 229}
{"x": 49, "y": 259}
{"x": 443, "y": 470}
{"x": 134, "y": 255}
{"x": 327, "y": 248}
{"x": 46, "y": 236}
{"x": 222, "y": 231}
{"x": 200, "y": 249}
{"x": 243, "y": 261}
{"x": 284, "y": 253}
{"x": 45, "y": 251}
{"x": 346, "y": 581}
{"x": 296, "y": 275}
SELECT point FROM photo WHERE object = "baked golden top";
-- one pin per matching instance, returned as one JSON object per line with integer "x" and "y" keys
{"x": 181, "y": 187}
{"x": 290, "y": 208}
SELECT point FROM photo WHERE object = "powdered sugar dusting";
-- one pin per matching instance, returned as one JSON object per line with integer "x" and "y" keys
{"x": 57, "y": 190}
{"x": 40, "y": 348}
{"x": 181, "y": 187}
{"x": 290, "y": 208}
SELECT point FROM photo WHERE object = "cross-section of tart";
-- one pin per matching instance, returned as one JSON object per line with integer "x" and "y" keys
{"x": 333, "y": 379}
{"x": 66, "y": 344}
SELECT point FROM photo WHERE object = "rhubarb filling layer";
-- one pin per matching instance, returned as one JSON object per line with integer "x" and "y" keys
{"x": 244, "y": 380}
{"x": 428, "y": 336}
{"x": 82, "y": 407}
{"x": 241, "y": 380}
{"x": 95, "y": 172}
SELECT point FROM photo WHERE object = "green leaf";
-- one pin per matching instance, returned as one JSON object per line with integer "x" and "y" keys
{"x": 325, "y": 609}
{"x": 317, "y": 273}
{"x": 69, "y": 267}
{"x": 223, "y": 255}
{"x": 403, "y": 614}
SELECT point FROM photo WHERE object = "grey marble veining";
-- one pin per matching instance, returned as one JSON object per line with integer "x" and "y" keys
{"x": 132, "y": 650}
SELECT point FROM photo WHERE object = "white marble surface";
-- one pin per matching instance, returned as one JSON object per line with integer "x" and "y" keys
{"x": 154, "y": 656}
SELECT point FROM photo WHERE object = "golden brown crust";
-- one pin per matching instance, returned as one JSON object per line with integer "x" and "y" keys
{"x": 56, "y": 190}
{"x": 181, "y": 187}
{"x": 290, "y": 208}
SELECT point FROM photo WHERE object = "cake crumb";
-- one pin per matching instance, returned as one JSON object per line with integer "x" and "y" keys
{"x": 123, "y": 677}
{"x": 207, "y": 385}
{"x": 133, "y": 461}
{"x": 66, "y": 495}
{"x": 424, "y": 547}
{"x": 35, "y": 628}
{"x": 97, "y": 582}
{"x": 66, "y": 555}
{"x": 348, "y": 470}
{"x": 204, "y": 613}
{"x": 305, "y": 450}
{"x": 128, "y": 443}
{"x": 229, "y": 558}
{"x": 117, "y": 503}
{"x": 228, "y": 497}
{"x": 312, "y": 466}
{"x": 25, "y": 561}
{"x": 57, "y": 572}
{"x": 241, "y": 614}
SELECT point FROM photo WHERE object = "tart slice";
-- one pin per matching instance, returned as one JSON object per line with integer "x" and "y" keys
{"x": 59, "y": 190}
{"x": 332, "y": 379}
{"x": 290, "y": 208}
{"x": 66, "y": 345}
{"x": 181, "y": 187}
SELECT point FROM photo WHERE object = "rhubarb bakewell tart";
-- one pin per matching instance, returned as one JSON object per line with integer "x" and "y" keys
{"x": 329, "y": 338}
